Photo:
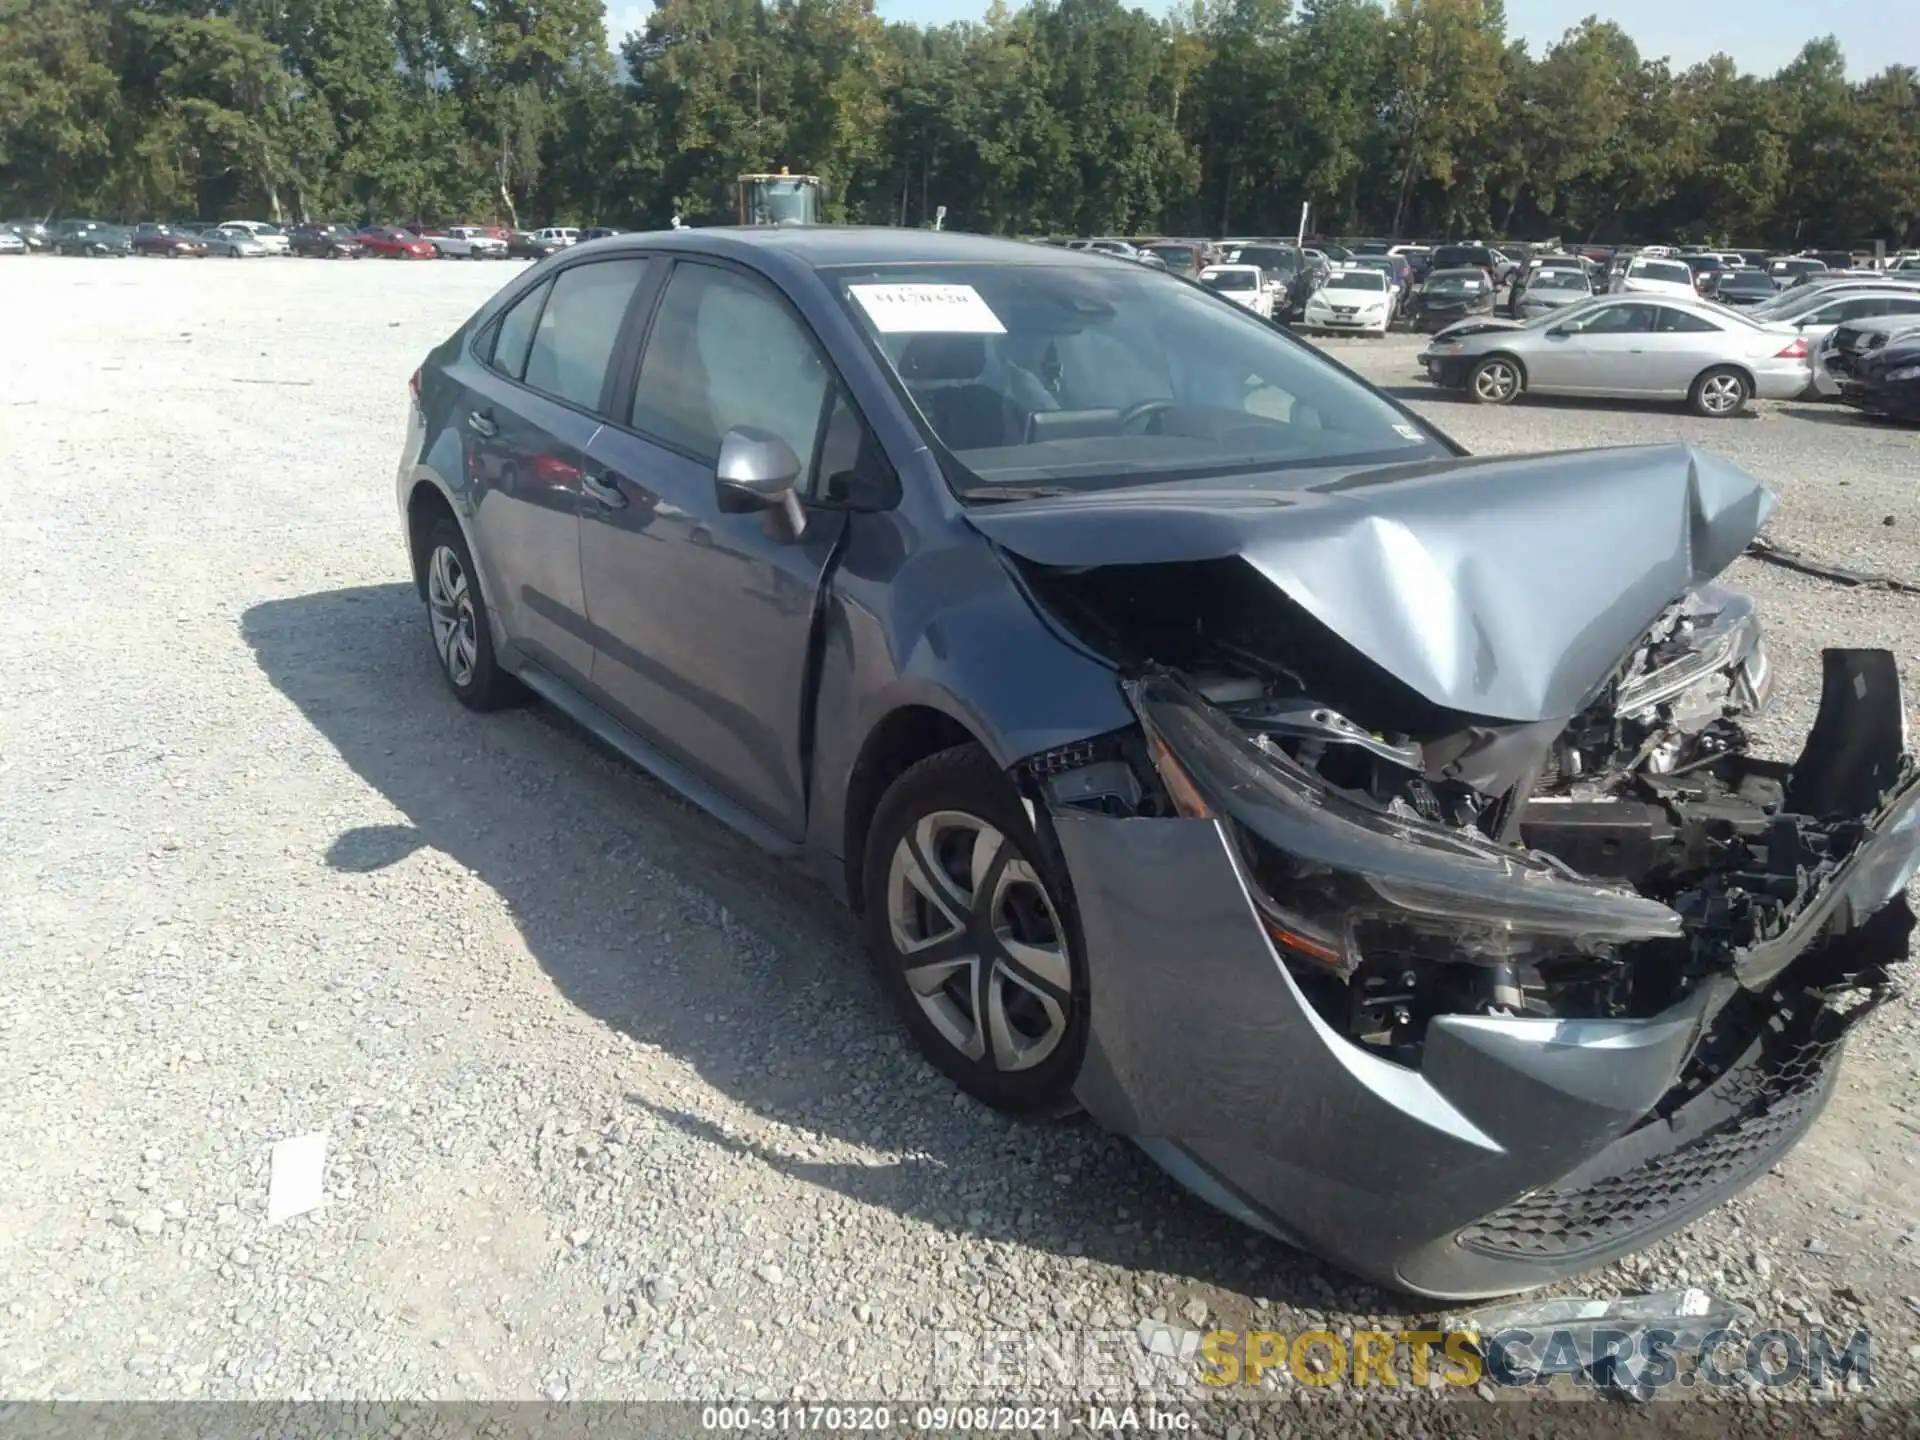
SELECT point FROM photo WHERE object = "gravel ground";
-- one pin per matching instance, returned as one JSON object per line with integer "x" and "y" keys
{"x": 613, "y": 1109}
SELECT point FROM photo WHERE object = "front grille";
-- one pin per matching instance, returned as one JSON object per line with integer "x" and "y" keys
{"x": 1779, "y": 1100}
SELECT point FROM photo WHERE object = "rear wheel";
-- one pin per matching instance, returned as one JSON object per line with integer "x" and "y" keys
{"x": 457, "y": 618}
{"x": 1719, "y": 393}
{"x": 973, "y": 930}
{"x": 1496, "y": 380}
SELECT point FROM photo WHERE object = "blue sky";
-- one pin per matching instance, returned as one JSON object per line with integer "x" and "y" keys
{"x": 1762, "y": 35}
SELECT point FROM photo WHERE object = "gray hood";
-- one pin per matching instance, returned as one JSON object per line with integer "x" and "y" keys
{"x": 1505, "y": 588}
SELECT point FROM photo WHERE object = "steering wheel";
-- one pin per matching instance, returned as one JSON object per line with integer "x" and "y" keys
{"x": 1145, "y": 410}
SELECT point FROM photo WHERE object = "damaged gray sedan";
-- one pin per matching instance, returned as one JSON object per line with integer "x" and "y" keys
{"x": 1367, "y": 830}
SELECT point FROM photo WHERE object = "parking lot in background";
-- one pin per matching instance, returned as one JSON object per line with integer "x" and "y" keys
{"x": 612, "y": 1107}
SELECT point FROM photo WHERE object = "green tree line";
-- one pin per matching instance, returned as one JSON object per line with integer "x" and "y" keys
{"x": 1067, "y": 116}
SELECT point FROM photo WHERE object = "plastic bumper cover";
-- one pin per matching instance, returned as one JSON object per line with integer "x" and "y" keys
{"x": 1514, "y": 1155}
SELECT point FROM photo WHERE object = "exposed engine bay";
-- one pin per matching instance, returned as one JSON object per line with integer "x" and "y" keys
{"x": 1409, "y": 860}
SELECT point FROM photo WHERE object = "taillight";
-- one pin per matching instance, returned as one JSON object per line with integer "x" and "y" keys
{"x": 1796, "y": 351}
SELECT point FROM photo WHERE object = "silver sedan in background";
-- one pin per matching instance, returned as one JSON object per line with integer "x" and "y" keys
{"x": 232, "y": 242}
{"x": 1637, "y": 347}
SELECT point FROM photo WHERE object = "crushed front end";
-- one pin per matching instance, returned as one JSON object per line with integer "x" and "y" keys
{"x": 1464, "y": 1005}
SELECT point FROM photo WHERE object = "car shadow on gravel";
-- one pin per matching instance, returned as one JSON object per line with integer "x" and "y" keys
{"x": 757, "y": 979}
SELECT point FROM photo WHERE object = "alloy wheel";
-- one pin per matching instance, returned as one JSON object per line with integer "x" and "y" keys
{"x": 450, "y": 608}
{"x": 982, "y": 947}
{"x": 1721, "y": 394}
{"x": 1496, "y": 381}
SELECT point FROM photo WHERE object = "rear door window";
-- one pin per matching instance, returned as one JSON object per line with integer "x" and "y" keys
{"x": 574, "y": 340}
{"x": 514, "y": 335}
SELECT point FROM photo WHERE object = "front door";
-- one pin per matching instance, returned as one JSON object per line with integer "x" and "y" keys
{"x": 1605, "y": 356}
{"x": 703, "y": 621}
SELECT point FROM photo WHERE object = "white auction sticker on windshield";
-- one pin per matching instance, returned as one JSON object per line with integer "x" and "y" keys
{"x": 927, "y": 310}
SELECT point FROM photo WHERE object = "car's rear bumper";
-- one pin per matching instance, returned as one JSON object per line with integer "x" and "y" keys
{"x": 1781, "y": 379}
{"x": 1521, "y": 1150}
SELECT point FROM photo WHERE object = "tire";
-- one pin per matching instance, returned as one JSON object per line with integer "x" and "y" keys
{"x": 1719, "y": 393}
{"x": 1496, "y": 380}
{"x": 457, "y": 623}
{"x": 950, "y": 826}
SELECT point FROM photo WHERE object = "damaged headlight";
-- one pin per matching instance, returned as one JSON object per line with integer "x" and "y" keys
{"x": 1343, "y": 877}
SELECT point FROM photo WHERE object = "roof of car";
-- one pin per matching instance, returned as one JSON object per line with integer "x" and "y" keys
{"x": 823, "y": 245}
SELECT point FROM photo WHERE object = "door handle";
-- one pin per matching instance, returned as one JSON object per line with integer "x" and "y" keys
{"x": 481, "y": 423}
{"x": 602, "y": 488}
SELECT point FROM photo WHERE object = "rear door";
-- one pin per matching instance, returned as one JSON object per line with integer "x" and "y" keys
{"x": 530, "y": 414}
{"x": 703, "y": 621}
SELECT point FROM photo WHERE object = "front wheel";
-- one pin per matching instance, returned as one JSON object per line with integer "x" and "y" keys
{"x": 1719, "y": 394}
{"x": 973, "y": 930}
{"x": 1495, "y": 380}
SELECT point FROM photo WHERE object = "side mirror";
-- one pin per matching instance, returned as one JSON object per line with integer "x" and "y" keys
{"x": 756, "y": 471}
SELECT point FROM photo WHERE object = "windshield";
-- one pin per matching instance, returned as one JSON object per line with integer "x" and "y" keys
{"x": 1356, "y": 280}
{"x": 1173, "y": 254}
{"x": 1670, "y": 271}
{"x": 1231, "y": 280}
{"x": 1558, "y": 280}
{"x": 1269, "y": 257}
{"x": 1792, "y": 303}
{"x": 1085, "y": 378}
{"x": 1455, "y": 285}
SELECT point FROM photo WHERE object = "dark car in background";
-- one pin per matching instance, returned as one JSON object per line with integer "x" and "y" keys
{"x": 525, "y": 245}
{"x": 320, "y": 240}
{"x": 1054, "y": 612}
{"x": 1876, "y": 366}
{"x": 1181, "y": 257}
{"x": 1296, "y": 273}
{"x": 151, "y": 238}
{"x": 91, "y": 238}
{"x": 1742, "y": 287}
{"x": 1462, "y": 257}
{"x": 1449, "y": 295}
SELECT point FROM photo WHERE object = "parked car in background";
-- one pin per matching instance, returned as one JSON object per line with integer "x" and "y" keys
{"x": 1182, "y": 257}
{"x": 1446, "y": 296}
{"x": 1242, "y": 284}
{"x": 560, "y": 235}
{"x": 12, "y": 242}
{"x": 1742, "y": 288}
{"x": 232, "y": 242}
{"x": 1656, "y": 277}
{"x": 601, "y": 232}
{"x": 525, "y": 245}
{"x": 272, "y": 238}
{"x": 1786, "y": 269}
{"x": 1467, "y": 257}
{"x": 91, "y": 238}
{"x": 389, "y": 243}
{"x": 1875, "y": 366}
{"x": 1551, "y": 287}
{"x": 167, "y": 241}
{"x": 1638, "y": 347}
{"x": 321, "y": 240}
{"x": 1288, "y": 274}
{"x": 1151, "y": 716}
{"x": 1884, "y": 383}
{"x": 466, "y": 242}
{"x": 1815, "y": 322}
{"x": 1354, "y": 299}
{"x": 33, "y": 233}
{"x": 1399, "y": 276}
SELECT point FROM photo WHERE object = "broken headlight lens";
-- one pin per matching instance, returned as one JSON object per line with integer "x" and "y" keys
{"x": 1338, "y": 871}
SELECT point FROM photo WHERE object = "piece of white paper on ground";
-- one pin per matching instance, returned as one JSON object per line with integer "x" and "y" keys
{"x": 927, "y": 310}
{"x": 294, "y": 1177}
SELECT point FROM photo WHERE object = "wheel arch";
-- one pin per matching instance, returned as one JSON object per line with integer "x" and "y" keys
{"x": 900, "y": 739}
{"x": 1743, "y": 371}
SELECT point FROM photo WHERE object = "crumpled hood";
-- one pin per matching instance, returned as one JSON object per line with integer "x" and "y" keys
{"x": 1504, "y": 588}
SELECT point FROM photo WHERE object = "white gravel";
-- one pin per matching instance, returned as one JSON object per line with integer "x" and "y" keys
{"x": 611, "y": 1106}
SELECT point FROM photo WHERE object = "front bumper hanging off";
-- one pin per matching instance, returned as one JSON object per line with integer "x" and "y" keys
{"x": 1521, "y": 1149}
